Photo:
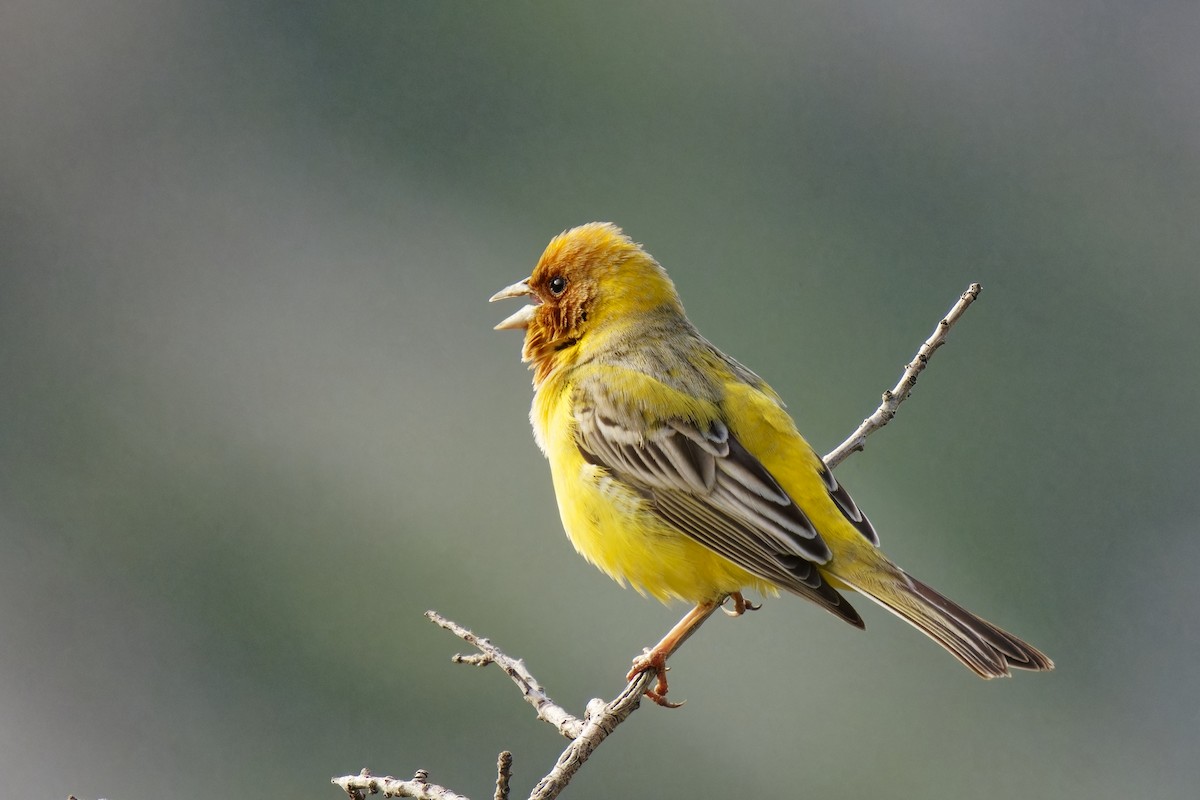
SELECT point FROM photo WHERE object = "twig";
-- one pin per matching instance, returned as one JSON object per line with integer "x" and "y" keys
{"x": 547, "y": 710}
{"x": 893, "y": 397}
{"x": 599, "y": 721}
{"x": 602, "y": 718}
{"x": 357, "y": 787}
{"x": 503, "y": 775}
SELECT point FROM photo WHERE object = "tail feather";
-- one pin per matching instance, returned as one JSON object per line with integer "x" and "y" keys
{"x": 987, "y": 650}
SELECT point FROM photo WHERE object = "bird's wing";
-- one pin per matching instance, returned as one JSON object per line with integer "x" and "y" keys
{"x": 702, "y": 481}
{"x": 848, "y": 507}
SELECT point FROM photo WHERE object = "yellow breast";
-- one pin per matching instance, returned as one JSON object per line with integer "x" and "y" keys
{"x": 614, "y": 528}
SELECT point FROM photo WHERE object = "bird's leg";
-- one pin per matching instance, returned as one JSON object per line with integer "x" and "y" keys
{"x": 740, "y": 605}
{"x": 656, "y": 657}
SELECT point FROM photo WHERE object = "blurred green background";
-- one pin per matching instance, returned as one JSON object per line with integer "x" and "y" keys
{"x": 254, "y": 419}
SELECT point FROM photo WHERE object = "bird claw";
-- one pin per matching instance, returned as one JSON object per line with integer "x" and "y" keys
{"x": 662, "y": 700}
{"x": 648, "y": 660}
{"x": 740, "y": 605}
{"x": 656, "y": 662}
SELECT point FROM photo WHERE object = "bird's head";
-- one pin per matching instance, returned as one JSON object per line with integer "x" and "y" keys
{"x": 590, "y": 282}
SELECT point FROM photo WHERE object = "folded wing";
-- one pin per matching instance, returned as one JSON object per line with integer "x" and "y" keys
{"x": 703, "y": 482}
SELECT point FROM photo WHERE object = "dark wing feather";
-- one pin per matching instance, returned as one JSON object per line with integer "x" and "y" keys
{"x": 849, "y": 508}
{"x": 703, "y": 482}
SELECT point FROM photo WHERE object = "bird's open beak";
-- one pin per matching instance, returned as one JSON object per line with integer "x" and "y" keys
{"x": 524, "y": 315}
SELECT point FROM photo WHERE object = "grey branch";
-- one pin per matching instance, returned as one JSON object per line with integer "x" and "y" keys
{"x": 893, "y": 397}
{"x": 602, "y": 718}
{"x": 599, "y": 721}
{"x": 503, "y": 775}
{"x": 357, "y": 787}
{"x": 547, "y": 710}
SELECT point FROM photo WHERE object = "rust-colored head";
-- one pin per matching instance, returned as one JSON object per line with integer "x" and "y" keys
{"x": 589, "y": 279}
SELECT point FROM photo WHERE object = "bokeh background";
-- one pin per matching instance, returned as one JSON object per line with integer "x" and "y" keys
{"x": 254, "y": 420}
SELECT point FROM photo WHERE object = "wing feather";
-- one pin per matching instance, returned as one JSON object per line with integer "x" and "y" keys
{"x": 848, "y": 507}
{"x": 701, "y": 480}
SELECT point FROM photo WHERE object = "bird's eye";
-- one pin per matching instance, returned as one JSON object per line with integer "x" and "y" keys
{"x": 558, "y": 285}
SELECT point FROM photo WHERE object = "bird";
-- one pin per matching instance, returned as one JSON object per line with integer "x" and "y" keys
{"x": 678, "y": 471}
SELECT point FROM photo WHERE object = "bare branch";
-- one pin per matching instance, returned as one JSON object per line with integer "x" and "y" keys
{"x": 899, "y": 393}
{"x": 547, "y": 710}
{"x": 357, "y": 787}
{"x": 503, "y": 775}
{"x": 601, "y": 720}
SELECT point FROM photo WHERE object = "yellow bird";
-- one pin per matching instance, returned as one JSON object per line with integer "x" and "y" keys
{"x": 678, "y": 470}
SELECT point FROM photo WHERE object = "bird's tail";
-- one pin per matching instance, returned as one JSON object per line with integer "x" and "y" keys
{"x": 989, "y": 651}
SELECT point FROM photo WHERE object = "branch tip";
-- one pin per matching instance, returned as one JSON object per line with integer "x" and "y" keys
{"x": 893, "y": 397}
{"x": 503, "y": 774}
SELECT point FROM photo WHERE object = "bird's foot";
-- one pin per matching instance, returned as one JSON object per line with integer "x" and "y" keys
{"x": 656, "y": 661}
{"x": 740, "y": 605}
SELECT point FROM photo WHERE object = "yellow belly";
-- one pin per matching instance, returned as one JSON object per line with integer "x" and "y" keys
{"x": 614, "y": 528}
